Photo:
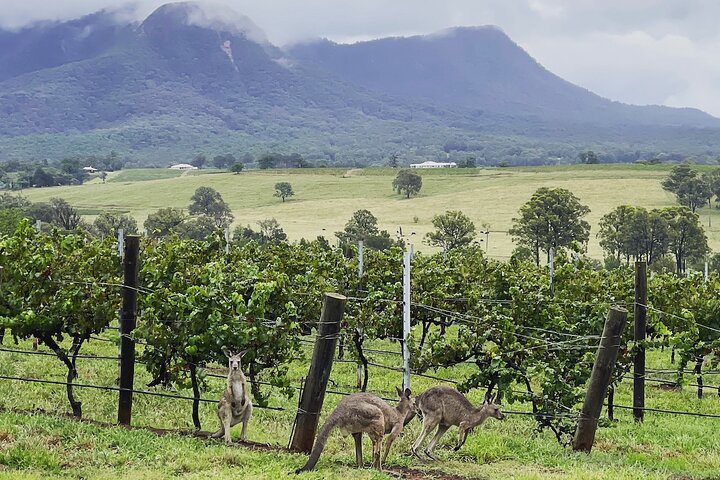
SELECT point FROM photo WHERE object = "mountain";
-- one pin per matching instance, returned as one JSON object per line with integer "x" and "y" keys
{"x": 479, "y": 68}
{"x": 188, "y": 79}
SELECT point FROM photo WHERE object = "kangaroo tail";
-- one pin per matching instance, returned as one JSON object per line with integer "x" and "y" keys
{"x": 219, "y": 433}
{"x": 320, "y": 442}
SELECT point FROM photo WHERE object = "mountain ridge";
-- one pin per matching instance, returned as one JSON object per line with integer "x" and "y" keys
{"x": 183, "y": 81}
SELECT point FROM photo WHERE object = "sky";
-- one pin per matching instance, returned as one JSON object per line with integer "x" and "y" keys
{"x": 664, "y": 52}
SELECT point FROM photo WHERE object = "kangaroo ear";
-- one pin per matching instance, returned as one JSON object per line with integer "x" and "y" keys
{"x": 407, "y": 392}
{"x": 399, "y": 392}
{"x": 227, "y": 352}
{"x": 241, "y": 354}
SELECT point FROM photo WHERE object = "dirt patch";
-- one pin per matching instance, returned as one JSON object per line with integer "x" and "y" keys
{"x": 5, "y": 437}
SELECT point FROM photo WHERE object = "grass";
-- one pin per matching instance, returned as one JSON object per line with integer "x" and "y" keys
{"x": 48, "y": 445}
{"x": 326, "y": 198}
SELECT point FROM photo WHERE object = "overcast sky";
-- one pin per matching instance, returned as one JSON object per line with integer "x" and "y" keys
{"x": 637, "y": 51}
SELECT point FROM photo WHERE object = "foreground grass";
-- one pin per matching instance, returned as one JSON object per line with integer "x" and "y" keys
{"x": 326, "y": 198}
{"x": 43, "y": 446}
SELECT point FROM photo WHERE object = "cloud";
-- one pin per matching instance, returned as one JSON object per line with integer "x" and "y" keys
{"x": 638, "y": 51}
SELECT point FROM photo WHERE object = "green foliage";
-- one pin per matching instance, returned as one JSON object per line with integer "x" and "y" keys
{"x": 107, "y": 224}
{"x": 55, "y": 286}
{"x": 208, "y": 201}
{"x": 363, "y": 226}
{"x": 224, "y": 161}
{"x": 283, "y": 190}
{"x": 237, "y": 167}
{"x": 407, "y": 183}
{"x": 588, "y": 157}
{"x": 633, "y": 232}
{"x": 164, "y": 222}
{"x": 453, "y": 229}
{"x": 270, "y": 231}
{"x": 552, "y": 218}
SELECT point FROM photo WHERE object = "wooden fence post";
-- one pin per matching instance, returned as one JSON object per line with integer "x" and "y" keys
{"x": 640, "y": 332}
{"x": 128, "y": 317}
{"x": 313, "y": 393}
{"x": 600, "y": 379}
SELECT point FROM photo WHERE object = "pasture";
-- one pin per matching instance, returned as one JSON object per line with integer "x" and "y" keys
{"x": 326, "y": 198}
{"x": 37, "y": 441}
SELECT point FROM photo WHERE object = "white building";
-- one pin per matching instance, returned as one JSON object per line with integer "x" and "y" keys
{"x": 434, "y": 165}
{"x": 90, "y": 169}
{"x": 183, "y": 166}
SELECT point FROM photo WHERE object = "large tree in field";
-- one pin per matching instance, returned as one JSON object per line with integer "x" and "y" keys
{"x": 363, "y": 226}
{"x": 633, "y": 232}
{"x": 208, "y": 201}
{"x": 690, "y": 189}
{"x": 686, "y": 237}
{"x": 453, "y": 229}
{"x": 283, "y": 190}
{"x": 552, "y": 218}
{"x": 407, "y": 183}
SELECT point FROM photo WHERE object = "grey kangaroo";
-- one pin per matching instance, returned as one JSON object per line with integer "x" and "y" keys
{"x": 443, "y": 407}
{"x": 364, "y": 413}
{"x": 235, "y": 406}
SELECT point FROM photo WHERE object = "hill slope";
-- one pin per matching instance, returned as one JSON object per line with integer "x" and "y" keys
{"x": 185, "y": 81}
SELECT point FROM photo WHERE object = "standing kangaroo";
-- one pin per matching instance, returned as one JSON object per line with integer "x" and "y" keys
{"x": 443, "y": 407}
{"x": 364, "y": 412}
{"x": 235, "y": 405}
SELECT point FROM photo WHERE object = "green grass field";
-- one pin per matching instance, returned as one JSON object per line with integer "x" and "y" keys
{"x": 326, "y": 198}
{"x": 48, "y": 445}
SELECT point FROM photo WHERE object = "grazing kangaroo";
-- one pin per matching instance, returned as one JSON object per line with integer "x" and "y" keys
{"x": 443, "y": 407}
{"x": 235, "y": 406}
{"x": 364, "y": 412}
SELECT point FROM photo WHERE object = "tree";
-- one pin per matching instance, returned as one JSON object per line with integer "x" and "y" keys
{"x": 363, "y": 226}
{"x": 164, "y": 221}
{"x": 199, "y": 160}
{"x": 407, "y": 182}
{"x": 10, "y": 218}
{"x": 678, "y": 174}
{"x": 103, "y": 176}
{"x": 266, "y": 161}
{"x": 393, "y": 160}
{"x": 283, "y": 190}
{"x": 588, "y": 157}
{"x": 552, "y": 218}
{"x": 686, "y": 237}
{"x": 270, "y": 231}
{"x": 197, "y": 228}
{"x": 107, "y": 224}
{"x": 713, "y": 180}
{"x": 453, "y": 229}
{"x": 208, "y": 201}
{"x": 224, "y": 161}
{"x": 237, "y": 167}
{"x": 633, "y": 232}
{"x": 64, "y": 215}
{"x": 694, "y": 193}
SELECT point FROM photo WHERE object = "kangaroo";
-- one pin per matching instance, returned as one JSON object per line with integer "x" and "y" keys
{"x": 443, "y": 407}
{"x": 364, "y": 412}
{"x": 235, "y": 406}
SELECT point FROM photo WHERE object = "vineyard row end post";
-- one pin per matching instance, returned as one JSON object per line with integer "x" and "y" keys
{"x": 639, "y": 337}
{"x": 128, "y": 316}
{"x": 313, "y": 393}
{"x": 600, "y": 379}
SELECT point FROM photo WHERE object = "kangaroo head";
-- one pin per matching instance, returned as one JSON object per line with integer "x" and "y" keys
{"x": 492, "y": 409}
{"x": 407, "y": 403}
{"x": 234, "y": 360}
